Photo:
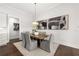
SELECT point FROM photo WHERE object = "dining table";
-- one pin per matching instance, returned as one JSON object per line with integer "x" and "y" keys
{"x": 39, "y": 37}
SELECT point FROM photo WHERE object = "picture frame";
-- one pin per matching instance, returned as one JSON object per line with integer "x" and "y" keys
{"x": 42, "y": 25}
{"x": 58, "y": 23}
{"x": 55, "y": 23}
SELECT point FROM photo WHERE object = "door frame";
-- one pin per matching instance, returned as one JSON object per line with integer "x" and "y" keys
{"x": 9, "y": 27}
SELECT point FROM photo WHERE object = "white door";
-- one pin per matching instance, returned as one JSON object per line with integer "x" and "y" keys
{"x": 13, "y": 28}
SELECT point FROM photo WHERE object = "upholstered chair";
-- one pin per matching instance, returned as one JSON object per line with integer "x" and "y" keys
{"x": 46, "y": 43}
{"x": 28, "y": 43}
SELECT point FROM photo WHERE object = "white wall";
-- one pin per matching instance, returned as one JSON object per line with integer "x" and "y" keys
{"x": 25, "y": 18}
{"x": 68, "y": 37}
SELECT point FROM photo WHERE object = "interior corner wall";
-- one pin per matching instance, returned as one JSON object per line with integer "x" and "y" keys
{"x": 68, "y": 37}
{"x": 24, "y": 17}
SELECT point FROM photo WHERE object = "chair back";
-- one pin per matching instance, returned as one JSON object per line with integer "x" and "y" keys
{"x": 51, "y": 43}
{"x": 23, "y": 40}
{"x": 28, "y": 40}
{"x": 49, "y": 37}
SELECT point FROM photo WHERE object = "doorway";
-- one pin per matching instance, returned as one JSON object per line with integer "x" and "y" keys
{"x": 13, "y": 24}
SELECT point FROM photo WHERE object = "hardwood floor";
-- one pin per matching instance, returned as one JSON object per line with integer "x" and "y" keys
{"x": 66, "y": 51}
{"x": 11, "y": 50}
{"x": 14, "y": 40}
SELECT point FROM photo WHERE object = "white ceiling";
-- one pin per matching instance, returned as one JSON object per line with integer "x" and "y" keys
{"x": 30, "y": 7}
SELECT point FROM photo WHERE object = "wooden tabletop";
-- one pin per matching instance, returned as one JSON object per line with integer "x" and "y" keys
{"x": 39, "y": 37}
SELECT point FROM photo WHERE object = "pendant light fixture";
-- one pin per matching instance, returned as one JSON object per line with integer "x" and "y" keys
{"x": 35, "y": 11}
{"x": 34, "y": 22}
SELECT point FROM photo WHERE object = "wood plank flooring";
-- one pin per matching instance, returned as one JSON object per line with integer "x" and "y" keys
{"x": 66, "y": 51}
{"x": 11, "y": 50}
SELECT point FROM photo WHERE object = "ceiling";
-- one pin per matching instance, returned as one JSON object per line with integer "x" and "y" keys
{"x": 30, "y": 7}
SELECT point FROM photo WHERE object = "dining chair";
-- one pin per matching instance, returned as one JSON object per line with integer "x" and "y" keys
{"x": 23, "y": 40}
{"x": 29, "y": 43}
{"x": 45, "y": 44}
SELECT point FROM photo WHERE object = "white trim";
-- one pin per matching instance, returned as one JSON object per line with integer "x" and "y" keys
{"x": 8, "y": 25}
